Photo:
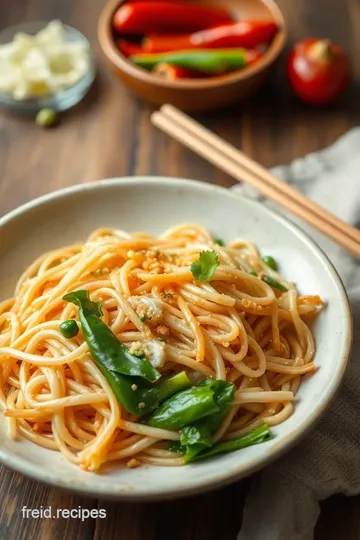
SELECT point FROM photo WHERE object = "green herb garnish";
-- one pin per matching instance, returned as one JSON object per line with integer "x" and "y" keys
{"x": 204, "y": 268}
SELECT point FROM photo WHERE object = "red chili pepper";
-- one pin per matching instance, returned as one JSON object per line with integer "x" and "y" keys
{"x": 252, "y": 56}
{"x": 248, "y": 34}
{"x": 170, "y": 72}
{"x": 128, "y": 48}
{"x": 153, "y": 17}
{"x": 319, "y": 71}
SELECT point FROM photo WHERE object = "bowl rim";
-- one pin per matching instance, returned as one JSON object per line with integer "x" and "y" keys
{"x": 89, "y": 76}
{"x": 26, "y": 468}
{"x": 116, "y": 58}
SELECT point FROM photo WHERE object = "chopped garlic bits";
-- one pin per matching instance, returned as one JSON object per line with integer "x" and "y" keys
{"x": 47, "y": 63}
{"x": 153, "y": 350}
{"x": 149, "y": 310}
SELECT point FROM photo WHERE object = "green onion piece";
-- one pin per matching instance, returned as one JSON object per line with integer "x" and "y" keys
{"x": 252, "y": 273}
{"x": 69, "y": 328}
{"x": 273, "y": 283}
{"x": 270, "y": 262}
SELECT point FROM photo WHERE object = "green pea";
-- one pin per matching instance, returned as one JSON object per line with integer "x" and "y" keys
{"x": 252, "y": 273}
{"x": 219, "y": 242}
{"x": 270, "y": 262}
{"x": 69, "y": 328}
{"x": 46, "y": 118}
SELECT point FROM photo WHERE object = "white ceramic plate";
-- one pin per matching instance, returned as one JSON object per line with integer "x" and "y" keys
{"x": 153, "y": 204}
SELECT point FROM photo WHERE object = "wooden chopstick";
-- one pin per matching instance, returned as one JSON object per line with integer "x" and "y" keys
{"x": 244, "y": 169}
{"x": 254, "y": 167}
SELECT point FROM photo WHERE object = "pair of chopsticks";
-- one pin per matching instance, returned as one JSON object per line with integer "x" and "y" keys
{"x": 244, "y": 169}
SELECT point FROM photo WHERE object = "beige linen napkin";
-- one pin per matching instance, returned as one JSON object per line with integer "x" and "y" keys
{"x": 283, "y": 503}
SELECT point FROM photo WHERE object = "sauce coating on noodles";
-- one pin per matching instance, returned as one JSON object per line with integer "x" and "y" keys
{"x": 245, "y": 325}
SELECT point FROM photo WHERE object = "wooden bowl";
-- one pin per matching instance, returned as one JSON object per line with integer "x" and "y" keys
{"x": 196, "y": 94}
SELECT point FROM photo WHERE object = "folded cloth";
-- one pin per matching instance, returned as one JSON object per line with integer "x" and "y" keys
{"x": 283, "y": 503}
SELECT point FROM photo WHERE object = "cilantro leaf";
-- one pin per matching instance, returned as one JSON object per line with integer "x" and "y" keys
{"x": 204, "y": 268}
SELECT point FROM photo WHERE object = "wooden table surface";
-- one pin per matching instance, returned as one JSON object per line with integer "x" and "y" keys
{"x": 109, "y": 135}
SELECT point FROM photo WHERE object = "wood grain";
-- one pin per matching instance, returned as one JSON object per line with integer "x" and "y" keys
{"x": 109, "y": 134}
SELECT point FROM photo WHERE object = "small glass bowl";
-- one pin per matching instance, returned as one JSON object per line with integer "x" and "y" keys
{"x": 60, "y": 101}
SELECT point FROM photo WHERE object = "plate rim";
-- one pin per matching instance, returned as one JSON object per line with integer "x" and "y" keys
{"x": 26, "y": 468}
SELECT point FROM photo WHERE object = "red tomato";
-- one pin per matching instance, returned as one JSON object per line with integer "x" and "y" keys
{"x": 318, "y": 70}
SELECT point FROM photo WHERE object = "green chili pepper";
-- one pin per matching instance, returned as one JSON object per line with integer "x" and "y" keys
{"x": 205, "y": 60}
{"x": 273, "y": 283}
{"x": 184, "y": 408}
{"x": 69, "y": 328}
{"x": 127, "y": 374}
{"x": 270, "y": 262}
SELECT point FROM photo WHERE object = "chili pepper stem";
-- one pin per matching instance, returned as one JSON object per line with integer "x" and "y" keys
{"x": 322, "y": 50}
